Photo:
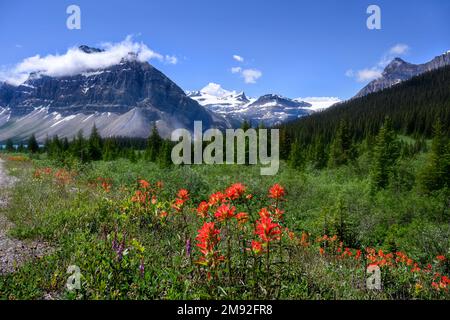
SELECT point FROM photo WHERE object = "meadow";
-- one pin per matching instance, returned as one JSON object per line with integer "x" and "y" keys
{"x": 137, "y": 230}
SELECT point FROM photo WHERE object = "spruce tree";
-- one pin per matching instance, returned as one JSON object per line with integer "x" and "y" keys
{"x": 341, "y": 150}
{"x": 385, "y": 155}
{"x": 164, "y": 158}
{"x": 296, "y": 158}
{"x": 33, "y": 146}
{"x": 10, "y": 146}
{"x": 436, "y": 173}
{"x": 320, "y": 158}
{"x": 95, "y": 145}
{"x": 154, "y": 144}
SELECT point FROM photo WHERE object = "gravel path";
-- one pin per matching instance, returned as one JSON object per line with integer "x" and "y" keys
{"x": 13, "y": 252}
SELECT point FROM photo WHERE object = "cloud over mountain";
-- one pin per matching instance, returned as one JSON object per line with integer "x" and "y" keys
{"x": 76, "y": 60}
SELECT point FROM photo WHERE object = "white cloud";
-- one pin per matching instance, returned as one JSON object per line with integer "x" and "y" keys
{"x": 369, "y": 74}
{"x": 238, "y": 58}
{"x": 249, "y": 75}
{"x": 399, "y": 49}
{"x": 171, "y": 59}
{"x": 236, "y": 70}
{"x": 76, "y": 61}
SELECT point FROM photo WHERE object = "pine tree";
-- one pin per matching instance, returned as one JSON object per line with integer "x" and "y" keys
{"x": 9, "y": 146}
{"x": 21, "y": 148}
{"x": 386, "y": 153}
{"x": 95, "y": 145}
{"x": 341, "y": 150}
{"x": 154, "y": 144}
{"x": 33, "y": 146}
{"x": 436, "y": 173}
{"x": 296, "y": 158}
{"x": 79, "y": 147}
{"x": 165, "y": 155}
{"x": 320, "y": 158}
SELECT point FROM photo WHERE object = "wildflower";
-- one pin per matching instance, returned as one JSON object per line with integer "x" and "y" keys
{"x": 321, "y": 251}
{"x": 264, "y": 213}
{"x": 144, "y": 184}
{"x": 256, "y": 247}
{"x": 207, "y": 240}
{"x": 276, "y": 192}
{"x": 358, "y": 254}
{"x": 279, "y": 214}
{"x": 235, "y": 191}
{"x": 188, "y": 247}
{"x": 224, "y": 212}
{"x": 249, "y": 197}
{"x": 183, "y": 194}
{"x": 216, "y": 198}
{"x": 440, "y": 258}
{"x": 202, "y": 209}
{"x": 178, "y": 204}
{"x": 267, "y": 230}
{"x": 304, "y": 242}
{"x": 142, "y": 268}
{"x": 106, "y": 186}
{"x": 242, "y": 217}
{"x": 163, "y": 214}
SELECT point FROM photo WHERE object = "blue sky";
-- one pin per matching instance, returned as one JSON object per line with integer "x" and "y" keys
{"x": 301, "y": 48}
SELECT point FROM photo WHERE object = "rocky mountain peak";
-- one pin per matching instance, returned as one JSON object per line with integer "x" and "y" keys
{"x": 87, "y": 49}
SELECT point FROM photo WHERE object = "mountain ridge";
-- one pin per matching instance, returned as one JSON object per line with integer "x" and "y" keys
{"x": 399, "y": 70}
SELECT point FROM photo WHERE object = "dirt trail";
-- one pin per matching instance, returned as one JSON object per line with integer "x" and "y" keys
{"x": 13, "y": 252}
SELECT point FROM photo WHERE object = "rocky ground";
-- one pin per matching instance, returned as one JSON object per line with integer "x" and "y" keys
{"x": 13, "y": 252}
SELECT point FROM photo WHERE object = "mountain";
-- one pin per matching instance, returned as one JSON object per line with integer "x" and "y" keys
{"x": 272, "y": 109}
{"x": 269, "y": 109}
{"x": 125, "y": 99}
{"x": 399, "y": 70}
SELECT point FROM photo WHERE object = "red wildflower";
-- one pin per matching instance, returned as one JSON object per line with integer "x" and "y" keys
{"x": 440, "y": 258}
{"x": 276, "y": 191}
{"x": 242, "y": 217}
{"x": 224, "y": 212}
{"x": 183, "y": 194}
{"x": 279, "y": 214}
{"x": 264, "y": 213}
{"x": 216, "y": 198}
{"x": 256, "y": 246}
{"x": 321, "y": 251}
{"x": 267, "y": 230}
{"x": 235, "y": 191}
{"x": 207, "y": 240}
{"x": 304, "y": 242}
{"x": 144, "y": 184}
{"x": 202, "y": 209}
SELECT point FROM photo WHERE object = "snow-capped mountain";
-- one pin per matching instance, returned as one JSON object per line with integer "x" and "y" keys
{"x": 399, "y": 70}
{"x": 125, "y": 99}
{"x": 220, "y": 100}
{"x": 269, "y": 109}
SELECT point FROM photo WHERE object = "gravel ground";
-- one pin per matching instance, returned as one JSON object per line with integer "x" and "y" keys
{"x": 14, "y": 252}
